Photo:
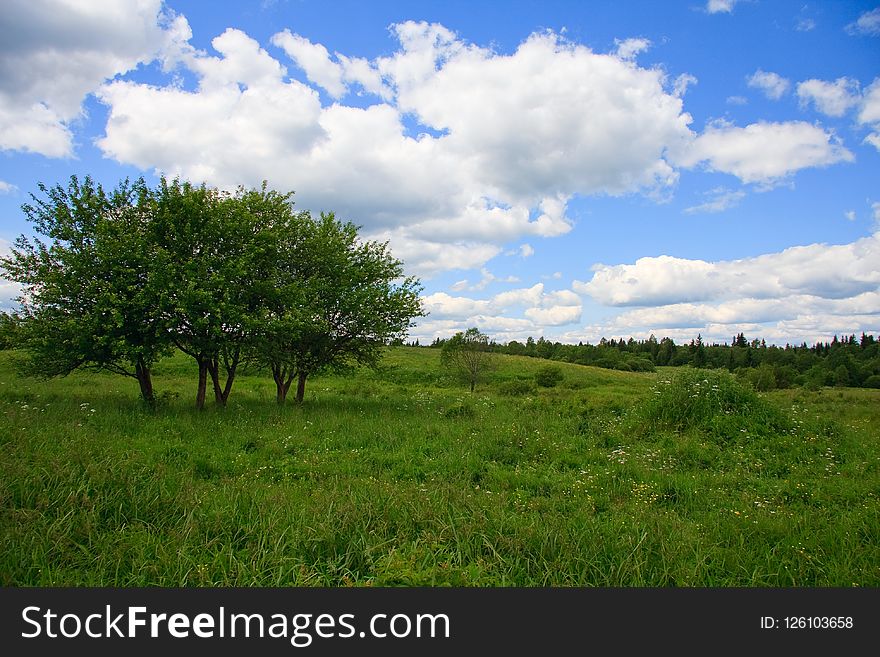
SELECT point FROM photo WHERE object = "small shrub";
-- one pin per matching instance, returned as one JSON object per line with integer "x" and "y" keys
{"x": 762, "y": 378}
{"x": 460, "y": 411}
{"x": 711, "y": 400}
{"x": 873, "y": 381}
{"x": 549, "y": 376}
{"x": 517, "y": 388}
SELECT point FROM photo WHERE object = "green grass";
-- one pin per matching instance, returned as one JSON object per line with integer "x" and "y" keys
{"x": 401, "y": 477}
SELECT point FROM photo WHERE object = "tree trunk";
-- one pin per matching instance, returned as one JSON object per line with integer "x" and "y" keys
{"x": 145, "y": 380}
{"x": 283, "y": 379}
{"x": 221, "y": 395}
{"x": 473, "y": 382}
{"x": 214, "y": 370}
{"x": 203, "y": 383}
{"x": 301, "y": 387}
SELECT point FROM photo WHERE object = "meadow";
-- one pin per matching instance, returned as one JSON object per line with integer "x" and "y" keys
{"x": 400, "y": 477}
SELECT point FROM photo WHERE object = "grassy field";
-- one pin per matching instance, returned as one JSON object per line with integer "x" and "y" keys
{"x": 401, "y": 477}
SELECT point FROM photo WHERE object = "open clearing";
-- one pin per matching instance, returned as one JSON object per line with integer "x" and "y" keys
{"x": 401, "y": 477}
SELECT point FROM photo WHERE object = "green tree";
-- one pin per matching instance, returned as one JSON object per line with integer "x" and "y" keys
{"x": 216, "y": 253}
{"x": 699, "y": 352}
{"x": 10, "y": 331}
{"x": 467, "y": 354}
{"x": 89, "y": 290}
{"x": 339, "y": 301}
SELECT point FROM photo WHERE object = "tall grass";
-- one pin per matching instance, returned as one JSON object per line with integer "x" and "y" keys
{"x": 401, "y": 477}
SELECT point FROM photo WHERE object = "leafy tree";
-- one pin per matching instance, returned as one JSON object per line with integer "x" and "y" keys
{"x": 339, "y": 301}
{"x": 216, "y": 254}
{"x": 89, "y": 291}
{"x": 468, "y": 354}
{"x": 699, "y": 352}
{"x": 10, "y": 331}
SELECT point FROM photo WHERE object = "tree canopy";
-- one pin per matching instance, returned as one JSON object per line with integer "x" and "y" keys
{"x": 467, "y": 354}
{"x": 117, "y": 280}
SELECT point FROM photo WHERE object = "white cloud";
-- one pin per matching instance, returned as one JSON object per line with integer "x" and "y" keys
{"x": 737, "y": 100}
{"x": 764, "y": 152}
{"x": 630, "y": 48}
{"x": 869, "y": 112}
{"x": 7, "y": 188}
{"x": 540, "y": 309}
{"x": 817, "y": 270}
{"x": 800, "y": 294}
{"x": 53, "y": 53}
{"x": 875, "y": 207}
{"x": 488, "y": 277}
{"x": 773, "y": 85}
{"x": 554, "y": 315}
{"x": 805, "y": 25}
{"x": 850, "y": 215}
{"x": 721, "y": 199}
{"x": 314, "y": 59}
{"x": 681, "y": 84}
{"x": 720, "y": 6}
{"x": 868, "y": 23}
{"x": 831, "y": 98}
{"x": 446, "y": 198}
{"x": 526, "y": 250}
{"x": 746, "y": 311}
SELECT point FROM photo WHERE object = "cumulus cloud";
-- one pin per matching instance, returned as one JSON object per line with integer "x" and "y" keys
{"x": 747, "y": 311}
{"x": 630, "y": 48}
{"x": 799, "y": 294}
{"x": 681, "y": 84}
{"x": 539, "y": 309}
{"x": 869, "y": 112}
{"x": 773, "y": 85}
{"x": 817, "y": 270}
{"x": 469, "y": 177}
{"x": 831, "y": 98}
{"x": 803, "y": 293}
{"x": 314, "y": 59}
{"x": 54, "y": 53}
{"x": 764, "y": 152}
{"x": 7, "y": 188}
{"x": 867, "y": 24}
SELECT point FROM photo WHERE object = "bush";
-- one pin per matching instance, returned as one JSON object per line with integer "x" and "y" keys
{"x": 641, "y": 365}
{"x": 762, "y": 378}
{"x": 463, "y": 410}
{"x": 711, "y": 400}
{"x": 548, "y": 376}
{"x": 517, "y": 387}
{"x": 872, "y": 381}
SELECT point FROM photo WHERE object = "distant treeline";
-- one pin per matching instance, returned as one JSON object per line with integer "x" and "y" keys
{"x": 847, "y": 361}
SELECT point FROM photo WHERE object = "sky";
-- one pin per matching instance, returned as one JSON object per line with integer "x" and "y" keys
{"x": 568, "y": 170}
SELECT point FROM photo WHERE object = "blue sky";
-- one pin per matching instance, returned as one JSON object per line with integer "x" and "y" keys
{"x": 566, "y": 169}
